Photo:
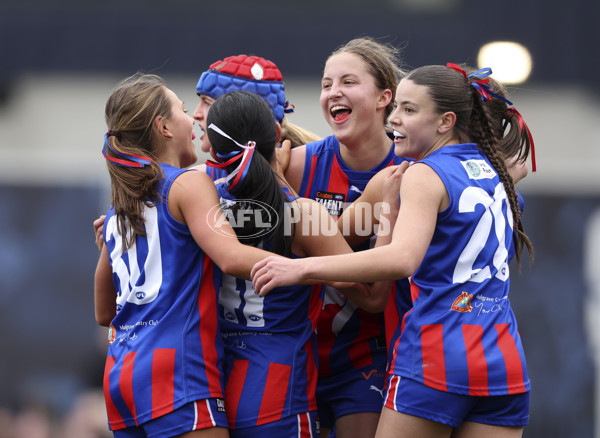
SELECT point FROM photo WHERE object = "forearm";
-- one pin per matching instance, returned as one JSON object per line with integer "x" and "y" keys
{"x": 239, "y": 262}
{"x": 368, "y": 266}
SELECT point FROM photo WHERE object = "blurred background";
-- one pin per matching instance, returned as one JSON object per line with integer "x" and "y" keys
{"x": 59, "y": 61}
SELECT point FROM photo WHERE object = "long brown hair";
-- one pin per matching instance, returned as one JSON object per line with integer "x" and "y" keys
{"x": 130, "y": 113}
{"x": 452, "y": 92}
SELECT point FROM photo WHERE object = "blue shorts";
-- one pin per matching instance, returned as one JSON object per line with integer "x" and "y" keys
{"x": 414, "y": 398}
{"x": 302, "y": 426}
{"x": 197, "y": 415}
{"x": 356, "y": 390}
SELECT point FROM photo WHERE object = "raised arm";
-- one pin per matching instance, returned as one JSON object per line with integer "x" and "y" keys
{"x": 423, "y": 195}
{"x": 193, "y": 200}
{"x": 317, "y": 234}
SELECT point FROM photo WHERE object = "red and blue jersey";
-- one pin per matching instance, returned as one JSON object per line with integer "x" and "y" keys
{"x": 270, "y": 367}
{"x": 461, "y": 334}
{"x": 165, "y": 347}
{"x": 347, "y": 334}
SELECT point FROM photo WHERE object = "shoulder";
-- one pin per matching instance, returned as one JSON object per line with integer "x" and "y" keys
{"x": 189, "y": 180}
{"x": 200, "y": 167}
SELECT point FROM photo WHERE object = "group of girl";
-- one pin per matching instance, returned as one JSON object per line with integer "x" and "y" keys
{"x": 321, "y": 335}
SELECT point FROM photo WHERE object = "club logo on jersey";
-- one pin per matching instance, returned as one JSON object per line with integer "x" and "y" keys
{"x": 112, "y": 334}
{"x": 462, "y": 303}
{"x": 478, "y": 169}
{"x": 333, "y": 202}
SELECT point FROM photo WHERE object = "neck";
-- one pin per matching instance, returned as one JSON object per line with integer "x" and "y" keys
{"x": 440, "y": 143}
{"x": 367, "y": 153}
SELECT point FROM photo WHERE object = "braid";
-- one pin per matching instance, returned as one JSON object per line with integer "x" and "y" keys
{"x": 483, "y": 135}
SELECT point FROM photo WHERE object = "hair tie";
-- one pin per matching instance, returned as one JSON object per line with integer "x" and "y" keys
{"x": 114, "y": 133}
{"x": 126, "y": 160}
{"x": 522, "y": 125}
{"x": 481, "y": 85}
{"x": 240, "y": 172}
{"x": 288, "y": 107}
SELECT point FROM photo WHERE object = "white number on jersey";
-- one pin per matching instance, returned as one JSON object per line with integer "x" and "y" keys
{"x": 493, "y": 216}
{"x": 233, "y": 293}
{"x": 130, "y": 290}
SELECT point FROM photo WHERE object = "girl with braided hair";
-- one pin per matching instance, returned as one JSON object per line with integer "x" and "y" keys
{"x": 458, "y": 366}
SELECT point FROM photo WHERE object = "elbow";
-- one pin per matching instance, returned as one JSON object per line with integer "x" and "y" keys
{"x": 103, "y": 319}
{"x": 233, "y": 267}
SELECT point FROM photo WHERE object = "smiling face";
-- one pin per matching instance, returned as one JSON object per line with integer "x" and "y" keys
{"x": 351, "y": 102}
{"x": 200, "y": 114}
{"x": 181, "y": 131}
{"x": 418, "y": 127}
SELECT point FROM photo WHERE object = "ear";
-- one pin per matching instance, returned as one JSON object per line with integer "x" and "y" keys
{"x": 278, "y": 126}
{"x": 161, "y": 124}
{"x": 384, "y": 98}
{"x": 447, "y": 121}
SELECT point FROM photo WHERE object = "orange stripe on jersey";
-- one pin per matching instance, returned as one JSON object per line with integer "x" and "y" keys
{"x": 476, "y": 363}
{"x": 126, "y": 383}
{"x": 114, "y": 417}
{"x": 273, "y": 399}
{"x": 432, "y": 350}
{"x": 313, "y": 165}
{"x": 163, "y": 381}
{"x": 512, "y": 359}
{"x": 233, "y": 390}
{"x": 207, "y": 305}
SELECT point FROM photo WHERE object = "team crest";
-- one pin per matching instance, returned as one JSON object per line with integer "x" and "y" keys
{"x": 462, "y": 303}
{"x": 112, "y": 334}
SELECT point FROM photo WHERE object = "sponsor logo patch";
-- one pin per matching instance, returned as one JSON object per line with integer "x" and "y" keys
{"x": 478, "y": 169}
{"x": 333, "y": 202}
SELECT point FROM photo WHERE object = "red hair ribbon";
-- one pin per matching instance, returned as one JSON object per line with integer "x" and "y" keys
{"x": 239, "y": 173}
{"x": 126, "y": 160}
{"x": 522, "y": 125}
{"x": 480, "y": 84}
{"x": 457, "y": 68}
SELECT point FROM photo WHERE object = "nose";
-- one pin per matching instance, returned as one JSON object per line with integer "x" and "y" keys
{"x": 198, "y": 113}
{"x": 393, "y": 119}
{"x": 334, "y": 91}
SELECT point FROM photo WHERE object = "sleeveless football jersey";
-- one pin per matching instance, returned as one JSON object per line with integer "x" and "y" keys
{"x": 165, "y": 347}
{"x": 461, "y": 335}
{"x": 345, "y": 331}
{"x": 270, "y": 366}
